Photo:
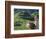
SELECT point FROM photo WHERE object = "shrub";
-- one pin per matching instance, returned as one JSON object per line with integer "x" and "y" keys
{"x": 32, "y": 26}
{"x": 17, "y": 23}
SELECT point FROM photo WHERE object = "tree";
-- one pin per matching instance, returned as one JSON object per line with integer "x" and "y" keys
{"x": 35, "y": 14}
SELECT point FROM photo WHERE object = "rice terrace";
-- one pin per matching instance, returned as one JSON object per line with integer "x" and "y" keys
{"x": 25, "y": 19}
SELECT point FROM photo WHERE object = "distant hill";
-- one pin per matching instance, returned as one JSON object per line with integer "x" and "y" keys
{"x": 26, "y": 10}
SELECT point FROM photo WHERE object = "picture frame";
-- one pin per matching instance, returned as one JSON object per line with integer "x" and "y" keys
{"x": 8, "y": 23}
